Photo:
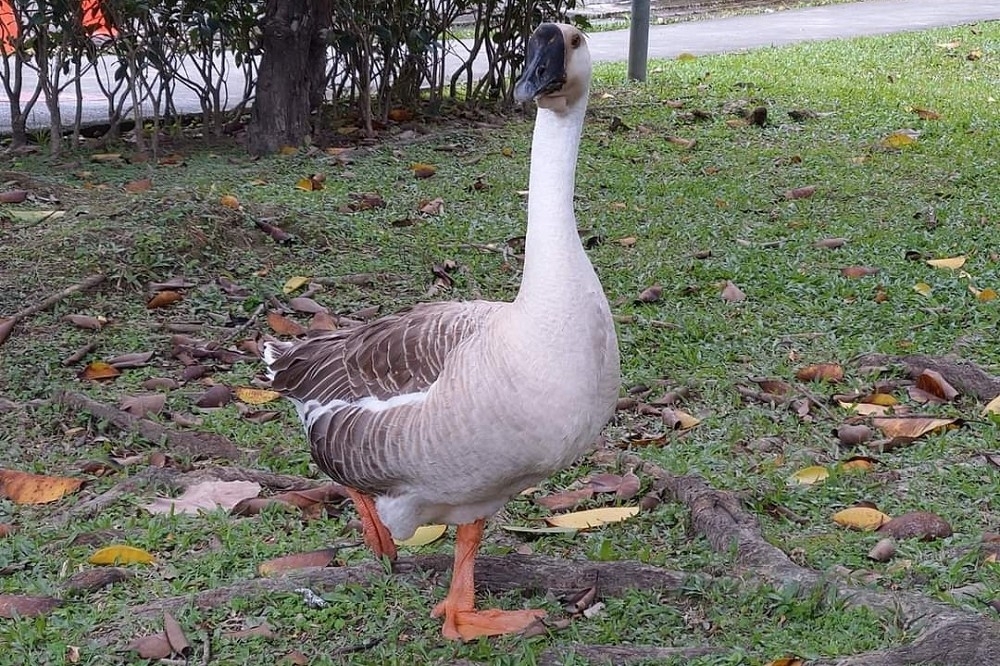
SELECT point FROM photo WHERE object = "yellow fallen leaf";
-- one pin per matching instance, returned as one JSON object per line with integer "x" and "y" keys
{"x": 884, "y": 399}
{"x": 950, "y": 262}
{"x": 422, "y": 170}
{"x": 992, "y": 407}
{"x": 255, "y": 396}
{"x": 33, "y": 216}
{"x": 582, "y": 520}
{"x": 858, "y": 465}
{"x": 229, "y": 201}
{"x": 986, "y": 295}
{"x": 27, "y": 488}
{"x": 807, "y": 476}
{"x": 900, "y": 139}
{"x": 288, "y": 150}
{"x": 922, "y": 288}
{"x": 861, "y": 518}
{"x": 786, "y": 661}
{"x": 306, "y": 184}
{"x": 119, "y": 554}
{"x": 295, "y": 282}
{"x": 866, "y": 408}
{"x": 424, "y": 535}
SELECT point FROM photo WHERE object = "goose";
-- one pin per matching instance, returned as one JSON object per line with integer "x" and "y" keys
{"x": 443, "y": 412}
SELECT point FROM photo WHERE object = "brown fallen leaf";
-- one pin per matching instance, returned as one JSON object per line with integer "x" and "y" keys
{"x": 323, "y": 321}
{"x": 926, "y": 114}
{"x": 216, "y": 396}
{"x": 650, "y": 294}
{"x": 306, "y": 305}
{"x": 282, "y": 325}
{"x": 163, "y": 299}
{"x": 564, "y": 500}
{"x": 173, "y": 284}
{"x": 229, "y": 201}
{"x": 175, "y": 635}
{"x": 13, "y": 196}
{"x": 92, "y": 580}
{"x": 912, "y": 427}
{"x": 261, "y": 416}
{"x": 134, "y": 360}
{"x": 27, "y": 488}
{"x": 160, "y": 384}
{"x": 6, "y": 326}
{"x": 830, "y": 372}
{"x": 855, "y": 272}
{"x": 140, "y": 185}
{"x": 629, "y": 487}
{"x": 323, "y": 557}
{"x": 830, "y": 243}
{"x": 363, "y": 201}
{"x": 85, "y": 321}
{"x": 604, "y": 482}
{"x": 853, "y": 435}
{"x": 7, "y": 529}
{"x": 883, "y": 551}
{"x": 801, "y": 192}
{"x": 154, "y": 646}
{"x": 18, "y": 605}
{"x": 431, "y": 206}
{"x": 732, "y": 293}
{"x": 275, "y": 232}
{"x": 921, "y": 525}
{"x": 936, "y": 385}
{"x": 141, "y": 405}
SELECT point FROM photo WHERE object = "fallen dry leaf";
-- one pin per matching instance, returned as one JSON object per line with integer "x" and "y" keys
{"x": 92, "y": 580}
{"x": 263, "y": 630}
{"x": 314, "y": 558}
{"x": 27, "y": 488}
{"x": 121, "y": 554}
{"x": 861, "y": 518}
{"x": 19, "y": 605}
{"x": 229, "y": 201}
{"x": 421, "y": 170}
{"x": 950, "y": 263}
{"x": 911, "y": 427}
{"x": 141, "y": 405}
{"x": 282, "y": 325}
{"x": 6, "y": 529}
{"x": 134, "y": 360}
{"x": 677, "y": 419}
{"x": 992, "y": 407}
{"x": 921, "y": 525}
{"x": 216, "y": 396}
{"x": 926, "y": 114}
{"x": 424, "y": 535}
{"x": 582, "y": 520}
{"x": 205, "y": 496}
{"x": 255, "y": 396}
{"x": 883, "y": 551}
{"x": 830, "y": 243}
{"x": 808, "y": 476}
{"x": 163, "y": 299}
{"x": 155, "y": 646}
{"x": 306, "y": 305}
{"x": 732, "y": 293}
{"x": 932, "y": 382}
{"x": 564, "y": 500}
{"x": 294, "y": 283}
{"x": 86, "y": 321}
{"x": 175, "y": 635}
{"x": 140, "y": 185}
{"x": 900, "y": 139}
{"x": 98, "y": 370}
{"x": 830, "y": 372}
{"x": 650, "y": 294}
{"x": 801, "y": 192}
{"x": 853, "y": 435}
{"x": 855, "y": 272}
{"x": 431, "y": 206}
{"x": 13, "y": 196}
{"x": 6, "y": 326}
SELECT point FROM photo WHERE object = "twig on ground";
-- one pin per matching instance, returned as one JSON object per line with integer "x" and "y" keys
{"x": 177, "y": 442}
{"x": 7, "y": 323}
{"x": 79, "y": 354}
{"x": 244, "y": 326}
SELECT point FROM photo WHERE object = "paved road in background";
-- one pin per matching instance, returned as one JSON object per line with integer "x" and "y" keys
{"x": 704, "y": 36}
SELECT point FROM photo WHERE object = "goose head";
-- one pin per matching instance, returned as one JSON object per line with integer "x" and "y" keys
{"x": 557, "y": 68}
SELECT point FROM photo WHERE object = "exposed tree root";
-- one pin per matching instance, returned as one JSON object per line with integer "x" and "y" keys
{"x": 948, "y": 635}
{"x": 967, "y": 377}
{"x": 175, "y": 442}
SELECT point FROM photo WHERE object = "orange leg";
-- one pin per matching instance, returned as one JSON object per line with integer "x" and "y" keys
{"x": 377, "y": 536}
{"x": 461, "y": 619}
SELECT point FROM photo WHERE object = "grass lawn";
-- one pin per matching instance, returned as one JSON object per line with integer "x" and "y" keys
{"x": 736, "y": 206}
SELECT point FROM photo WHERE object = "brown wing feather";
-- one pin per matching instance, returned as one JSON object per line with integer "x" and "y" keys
{"x": 393, "y": 355}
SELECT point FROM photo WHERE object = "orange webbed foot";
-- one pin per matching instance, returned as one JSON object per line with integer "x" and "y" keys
{"x": 468, "y": 625}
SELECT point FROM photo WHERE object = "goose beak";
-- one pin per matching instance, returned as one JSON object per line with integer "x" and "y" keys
{"x": 545, "y": 67}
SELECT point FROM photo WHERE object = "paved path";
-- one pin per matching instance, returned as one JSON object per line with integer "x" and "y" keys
{"x": 734, "y": 33}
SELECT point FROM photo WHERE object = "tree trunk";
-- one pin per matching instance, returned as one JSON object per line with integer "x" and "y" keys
{"x": 294, "y": 50}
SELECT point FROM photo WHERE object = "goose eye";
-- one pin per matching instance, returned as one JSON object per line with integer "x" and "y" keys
{"x": 575, "y": 41}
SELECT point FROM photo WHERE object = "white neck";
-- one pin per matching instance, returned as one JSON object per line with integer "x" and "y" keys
{"x": 553, "y": 252}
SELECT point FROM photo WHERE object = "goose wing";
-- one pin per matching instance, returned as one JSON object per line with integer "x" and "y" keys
{"x": 392, "y": 356}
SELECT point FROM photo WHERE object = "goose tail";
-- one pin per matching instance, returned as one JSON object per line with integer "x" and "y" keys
{"x": 271, "y": 352}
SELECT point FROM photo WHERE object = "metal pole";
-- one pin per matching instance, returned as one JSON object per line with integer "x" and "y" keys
{"x": 638, "y": 40}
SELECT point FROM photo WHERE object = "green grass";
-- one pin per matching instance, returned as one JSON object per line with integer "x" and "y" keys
{"x": 724, "y": 195}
